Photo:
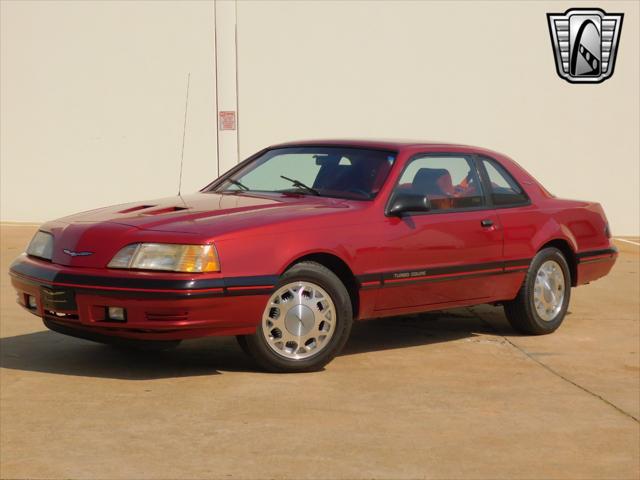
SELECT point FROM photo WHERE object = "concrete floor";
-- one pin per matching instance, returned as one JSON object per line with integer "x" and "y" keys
{"x": 450, "y": 395}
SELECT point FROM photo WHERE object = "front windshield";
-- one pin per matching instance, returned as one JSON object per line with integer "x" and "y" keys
{"x": 341, "y": 172}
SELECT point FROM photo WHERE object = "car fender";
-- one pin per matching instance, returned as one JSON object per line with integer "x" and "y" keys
{"x": 552, "y": 230}
{"x": 272, "y": 254}
{"x": 342, "y": 255}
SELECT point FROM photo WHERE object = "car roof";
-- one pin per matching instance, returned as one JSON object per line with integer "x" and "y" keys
{"x": 385, "y": 144}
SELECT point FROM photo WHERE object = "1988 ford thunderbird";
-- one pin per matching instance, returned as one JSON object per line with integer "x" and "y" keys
{"x": 289, "y": 247}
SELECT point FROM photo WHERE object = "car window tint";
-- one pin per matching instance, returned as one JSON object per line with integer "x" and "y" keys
{"x": 504, "y": 189}
{"x": 300, "y": 166}
{"x": 449, "y": 182}
{"x": 342, "y": 172}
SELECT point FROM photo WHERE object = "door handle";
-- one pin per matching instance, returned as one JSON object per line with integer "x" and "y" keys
{"x": 486, "y": 222}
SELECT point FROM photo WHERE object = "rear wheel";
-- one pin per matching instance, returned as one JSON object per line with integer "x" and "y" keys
{"x": 543, "y": 299}
{"x": 306, "y": 321}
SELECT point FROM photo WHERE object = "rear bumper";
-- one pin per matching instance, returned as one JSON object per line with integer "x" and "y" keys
{"x": 156, "y": 308}
{"x": 595, "y": 264}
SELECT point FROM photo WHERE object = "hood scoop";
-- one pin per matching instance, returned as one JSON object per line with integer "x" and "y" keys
{"x": 160, "y": 211}
{"x": 135, "y": 209}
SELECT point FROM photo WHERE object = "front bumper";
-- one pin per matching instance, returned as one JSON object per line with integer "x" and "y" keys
{"x": 158, "y": 307}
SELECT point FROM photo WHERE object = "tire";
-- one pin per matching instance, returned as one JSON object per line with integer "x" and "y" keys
{"x": 522, "y": 312}
{"x": 306, "y": 334}
{"x": 242, "y": 342}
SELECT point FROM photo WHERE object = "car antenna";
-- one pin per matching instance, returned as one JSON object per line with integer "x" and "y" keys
{"x": 184, "y": 131}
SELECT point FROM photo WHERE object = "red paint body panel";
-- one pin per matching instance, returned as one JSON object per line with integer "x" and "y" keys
{"x": 401, "y": 265}
{"x": 438, "y": 240}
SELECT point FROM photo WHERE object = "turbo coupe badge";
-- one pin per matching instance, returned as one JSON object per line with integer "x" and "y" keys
{"x": 585, "y": 43}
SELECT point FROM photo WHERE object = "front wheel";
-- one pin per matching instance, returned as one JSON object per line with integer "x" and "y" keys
{"x": 543, "y": 299}
{"x": 306, "y": 321}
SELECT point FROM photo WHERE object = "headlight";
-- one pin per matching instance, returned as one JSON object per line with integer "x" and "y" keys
{"x": 167, "y": 256}
{"x": 41, "y": 245}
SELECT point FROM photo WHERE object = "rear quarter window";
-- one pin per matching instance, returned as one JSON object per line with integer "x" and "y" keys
{"x": 504, "y": 190}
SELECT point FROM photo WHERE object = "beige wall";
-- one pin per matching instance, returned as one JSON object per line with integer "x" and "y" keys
{"x": 97, "y": 90}
{"x": 92, "y": 103}
{"x": 479, "y": 73}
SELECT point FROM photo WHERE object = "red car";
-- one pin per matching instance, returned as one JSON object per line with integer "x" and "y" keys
{"x": 290, "y": 246}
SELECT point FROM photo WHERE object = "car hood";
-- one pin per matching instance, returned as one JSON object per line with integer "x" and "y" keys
{"x": 188, "y": 218}
{"x": 209, "y": 212}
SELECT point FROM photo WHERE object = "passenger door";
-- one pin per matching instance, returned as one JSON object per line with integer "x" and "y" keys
{"x": 448, "y": 254}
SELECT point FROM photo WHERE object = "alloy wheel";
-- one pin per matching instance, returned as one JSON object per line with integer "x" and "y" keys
{"x": 548, "y": 290}
{"x": 299, "y": 320}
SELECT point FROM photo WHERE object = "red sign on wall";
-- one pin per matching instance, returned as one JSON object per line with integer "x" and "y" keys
{"x": 227, "y": 120}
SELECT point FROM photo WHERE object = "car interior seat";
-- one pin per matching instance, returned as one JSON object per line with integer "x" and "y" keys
{"x": 436, "y": 184}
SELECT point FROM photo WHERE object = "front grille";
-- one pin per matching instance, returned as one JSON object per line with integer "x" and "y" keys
{"x": 57, "y": 299}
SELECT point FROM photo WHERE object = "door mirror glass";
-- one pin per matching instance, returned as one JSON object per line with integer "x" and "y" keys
{"x": 403, "y": 203}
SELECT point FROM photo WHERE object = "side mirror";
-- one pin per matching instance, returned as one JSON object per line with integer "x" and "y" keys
{"x": 402, "y": 203}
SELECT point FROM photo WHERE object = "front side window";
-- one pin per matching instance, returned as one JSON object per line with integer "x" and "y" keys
{"x": 350, "y": 173}
{"x": 450, "y": 182}
{"x": 504, "y": 189}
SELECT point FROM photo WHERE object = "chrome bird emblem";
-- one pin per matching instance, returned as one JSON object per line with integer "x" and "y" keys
{"x": 77, "y": 254}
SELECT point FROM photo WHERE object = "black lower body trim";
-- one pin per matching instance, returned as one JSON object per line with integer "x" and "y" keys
{"x": 441, "y": 274}
{"x": 587, "y": 257}
{"x": 448, "y": 278}
{"x": 224, "y": 292}
{"x": 30, "y": 272}
{"x": 585, "y": 261}
{"x": 150, "y": 294}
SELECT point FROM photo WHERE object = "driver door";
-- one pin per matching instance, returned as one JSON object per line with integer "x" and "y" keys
{"x": 449, "y": 254}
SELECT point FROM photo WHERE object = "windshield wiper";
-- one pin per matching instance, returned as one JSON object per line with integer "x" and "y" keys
{"x": 299, "y": 184}
{"x": 238, "y": 184}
